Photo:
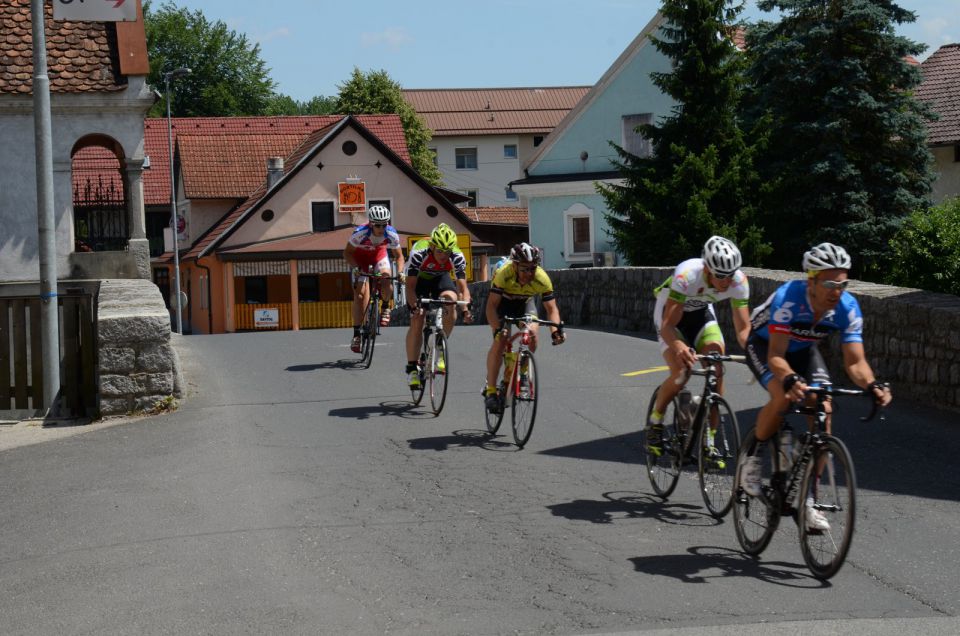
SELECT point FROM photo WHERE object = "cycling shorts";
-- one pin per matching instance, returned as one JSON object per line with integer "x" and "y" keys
{"x": 807, "y": 362}
{"x": 432, "y": 287}
{"x": 696, "y": 328}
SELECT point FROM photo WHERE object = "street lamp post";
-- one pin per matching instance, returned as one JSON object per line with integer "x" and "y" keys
{"x": 169, "y": 75}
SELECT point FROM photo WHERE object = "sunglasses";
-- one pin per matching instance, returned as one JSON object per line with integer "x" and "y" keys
{"x": 834, "y": 284}
{"x": 378, "y": 225}
{"x": 444, "y": 252}
{"x": 723, "y": 276}
{"x": 527, "y": 270}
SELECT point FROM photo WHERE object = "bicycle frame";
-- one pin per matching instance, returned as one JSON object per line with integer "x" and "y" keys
{"x": 523, "y": 334}
{"x": 709, "y": 394}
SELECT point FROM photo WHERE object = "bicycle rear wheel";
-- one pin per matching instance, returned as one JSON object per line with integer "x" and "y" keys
{"x": 717, "y": 465}
{"x": 829, "y": 483}
{"x": 439, "y": 368}
{"x": 523, "y": 410}
{"x": 755, "y": 519}
{"x": 663, "y": 469}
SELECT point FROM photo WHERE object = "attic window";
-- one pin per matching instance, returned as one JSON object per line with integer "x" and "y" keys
{"x": 432, "y": 211}
{"x": 266, "y": 216}
{"x": 349, "y": 148}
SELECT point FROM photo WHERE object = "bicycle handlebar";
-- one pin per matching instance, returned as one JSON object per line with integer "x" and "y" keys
{"x": 369, "y": 274}
{"x": 829, "y": 389}
{"x": 427, "y": 302}
{"x": 709, "y": 359}
{"x": 528, "y": 319}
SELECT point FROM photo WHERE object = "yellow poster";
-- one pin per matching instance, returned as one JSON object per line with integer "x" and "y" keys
{"x": 463, "y": 242}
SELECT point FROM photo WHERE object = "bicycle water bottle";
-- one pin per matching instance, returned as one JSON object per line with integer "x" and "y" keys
{"x": 684, "y": 408}
{"x": 786, "y": 447}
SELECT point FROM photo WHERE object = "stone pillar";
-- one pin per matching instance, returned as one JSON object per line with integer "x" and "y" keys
{"x": 294, "y": 296}
{"x": 482, "y": 275}
{"x": 138, "y": 244}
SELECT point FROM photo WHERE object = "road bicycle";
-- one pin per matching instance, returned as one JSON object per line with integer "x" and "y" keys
{"x": 817, "y": 474}
{"x": 704, "y": 432}
{"x": 434, "y": 363}
{"x": 370, "y": 328}
{"x": 519, "y": 380}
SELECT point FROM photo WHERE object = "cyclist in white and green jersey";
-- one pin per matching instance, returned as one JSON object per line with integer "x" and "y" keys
{"x": 686, "y": 323}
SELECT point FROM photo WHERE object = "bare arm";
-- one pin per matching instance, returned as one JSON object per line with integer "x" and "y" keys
{"x": 859, "y": 370}
{"x": 493, "y": 303}
{"x": 348, "y": 255}
{"x": 777, "y": 361}
{"x": 672, "y": 313}
{"x": 741, "y": 324}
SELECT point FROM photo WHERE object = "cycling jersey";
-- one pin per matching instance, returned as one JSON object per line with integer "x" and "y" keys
{"x": 370, "y": 248}
{"x": 688, "y": 286}
{"x": 788, "y": 311}
{"x": 506, "y": 284}
{"x": 423, "y": 264}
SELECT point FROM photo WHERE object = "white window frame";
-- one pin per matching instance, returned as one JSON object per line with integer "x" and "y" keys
{"x": 627, "y": 124}
{"x": 515, "y": 154}
{"x": 577, "y": 211}
{"x": 476, "y": 157}
{"x": 310, "y": 202}
{"x": 476, "y": 197}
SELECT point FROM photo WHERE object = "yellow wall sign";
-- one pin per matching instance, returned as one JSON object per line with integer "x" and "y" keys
{"x": 353, "y": 197}
{"x": 463, "y": 242}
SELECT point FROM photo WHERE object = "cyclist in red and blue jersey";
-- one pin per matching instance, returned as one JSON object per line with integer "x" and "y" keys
{"x": 782, "y": 351}
{"x": 369, "y": 250}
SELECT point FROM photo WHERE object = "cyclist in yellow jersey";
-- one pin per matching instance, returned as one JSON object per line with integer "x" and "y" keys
{"x": 512, "y": 292}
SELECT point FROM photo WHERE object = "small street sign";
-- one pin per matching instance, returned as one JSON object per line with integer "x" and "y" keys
{"x": 95, "y": 10}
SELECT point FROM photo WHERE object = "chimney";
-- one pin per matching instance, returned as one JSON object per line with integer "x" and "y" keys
{"x": 274, "y": 170}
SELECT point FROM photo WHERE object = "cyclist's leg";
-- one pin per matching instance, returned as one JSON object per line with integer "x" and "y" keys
{"x": 446, "y": 288}
{"x": 810, "y": 365}
{"x": 415, "y": 331}
{"x": 383, "y": 266}
{"x": 530, "y": 309}
{"x": 361, "y": 296}
{"x": 710, "y": 340}
{"x": 689, "y": 328}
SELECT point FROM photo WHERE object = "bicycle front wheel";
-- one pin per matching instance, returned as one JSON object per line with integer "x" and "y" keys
{"x": 524, "y": 392}
{"x": 369, "y": 333}
{"x": 439, "y": 368}
{"x": 416, "y": 392}
{"x": 663, "y": 469}
{"x": 755, "y": 519}
{"x": 494, "y": 418}
{"x": 717, "y": 466}
{"x": 829, "y": 488}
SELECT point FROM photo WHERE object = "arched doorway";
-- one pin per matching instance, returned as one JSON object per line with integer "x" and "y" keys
{"x": 100, "y": 211}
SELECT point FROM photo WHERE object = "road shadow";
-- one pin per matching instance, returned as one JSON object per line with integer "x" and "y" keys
{"x": 626, "y": 448}
{"x": 338, "y": 364}
{"x": 702, "y": 563}
{"x": 475, "y": 438}
{"x": 404, "y": 410}
{"x": 616, "y": 506}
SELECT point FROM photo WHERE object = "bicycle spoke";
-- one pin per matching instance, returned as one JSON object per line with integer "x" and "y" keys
{"x": 524, "y": 398}
{"x": 718, "y": 458}
{"x": 828, "y": 514}
{"x": 663, "y": 469}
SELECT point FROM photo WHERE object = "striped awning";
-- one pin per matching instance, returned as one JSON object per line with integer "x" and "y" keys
{"x": 322, "y": 266}
{"x": 262, "y": 268}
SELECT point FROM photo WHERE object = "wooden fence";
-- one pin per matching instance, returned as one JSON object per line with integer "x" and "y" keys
{"x": 21, "y": 356}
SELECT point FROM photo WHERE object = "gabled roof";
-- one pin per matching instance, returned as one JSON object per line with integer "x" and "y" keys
{"x": 299, "y": 157}
{"x": 619, "y": 64}
{"x": 498, "y": 215}
{"x": 82, "y": 57}
{"x": 493, "y": 111}
{"x": 940, "y": 88}
{"x": 156, "y": 180}
{"x": 228, "y": 166}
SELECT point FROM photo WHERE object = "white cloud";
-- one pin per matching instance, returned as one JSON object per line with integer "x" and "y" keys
{"x": 392, "y": 37}
{"x": 276, "y": 34}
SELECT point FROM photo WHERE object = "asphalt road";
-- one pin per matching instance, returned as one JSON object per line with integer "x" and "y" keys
{"x": 295, "y": 493}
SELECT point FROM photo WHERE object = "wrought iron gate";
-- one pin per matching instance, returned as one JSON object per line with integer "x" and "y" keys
{"x": 100, "y": 218}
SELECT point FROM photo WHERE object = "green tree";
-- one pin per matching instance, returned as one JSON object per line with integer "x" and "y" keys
{"x": 280, "y": 104}
{"x": 926, "y": 250}
{"x": 228, "y": 77}
{"x": 697, "y": 180}
{"x": 845, "y": 158}
{"x": 375, "y": 93}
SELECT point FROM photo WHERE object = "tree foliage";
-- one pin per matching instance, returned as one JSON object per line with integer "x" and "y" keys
{"x": 280, "y": 104}
{"x": 375, "y": 93}
{"x": 845, "y": 156}
{"x": 227, "y": 77}
{"x": 926, "y": 250}
{"x": 698, "y": 179}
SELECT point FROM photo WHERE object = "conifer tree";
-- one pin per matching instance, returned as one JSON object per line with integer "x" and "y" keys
{"x": 845, "y": 158}
{"x": 697, "y": 180}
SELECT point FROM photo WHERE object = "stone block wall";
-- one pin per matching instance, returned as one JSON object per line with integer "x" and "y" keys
{"x": 912, "y": 337}
{"x": 137, "y": 364}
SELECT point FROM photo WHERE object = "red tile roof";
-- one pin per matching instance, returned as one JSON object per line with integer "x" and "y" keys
{"x": 229, "y": 166}
{"x": 469, "y": 111}
{"x": 95, "y": 166}
{"x": 940, "y": 88}
{"x": 156, "y": 181}
{"x": 81, "y": 56}
{"x": 498, "y": 215}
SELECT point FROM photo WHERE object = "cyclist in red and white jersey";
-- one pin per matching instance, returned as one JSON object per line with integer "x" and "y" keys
{"x": 370, "y": 248}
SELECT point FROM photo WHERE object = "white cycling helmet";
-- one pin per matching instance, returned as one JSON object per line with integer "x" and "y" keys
{"x": 721, "y": 256}
{"x": 825, "y": 256}
{"x": 378, "y": 214}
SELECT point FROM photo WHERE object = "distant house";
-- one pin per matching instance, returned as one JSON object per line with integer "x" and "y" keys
{"x": 482, "y": 136}
{"x": 99, "y": 96}
{"x": 559, "y": 183}
{"x": 263, "y": 225}
{"x": 940, "y": 88}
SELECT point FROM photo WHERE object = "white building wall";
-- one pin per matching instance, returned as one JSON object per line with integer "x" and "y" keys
{"x": 494, "y": 171}
{"x": 947, "y": 183}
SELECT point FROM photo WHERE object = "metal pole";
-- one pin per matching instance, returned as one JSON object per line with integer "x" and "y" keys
{"x": 46, "y": 220}
{"x": 173, "y": 210}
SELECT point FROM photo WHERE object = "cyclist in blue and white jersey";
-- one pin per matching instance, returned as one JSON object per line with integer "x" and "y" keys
{"x": 782, "y": 354}
{"x": 686, "y": 323}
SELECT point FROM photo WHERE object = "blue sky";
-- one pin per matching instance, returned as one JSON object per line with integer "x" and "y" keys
{"x": 311, "y": 46}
